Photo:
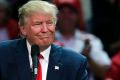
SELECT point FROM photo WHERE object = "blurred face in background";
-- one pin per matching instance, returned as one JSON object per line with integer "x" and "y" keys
{"x": 3, "y": 14}
{"x": 67, "y": 19}
{"x": 39, "y": 29}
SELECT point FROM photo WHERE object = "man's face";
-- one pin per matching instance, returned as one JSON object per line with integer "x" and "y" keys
{"x": 67, "y": 19}
{"x": 39, "y": 29}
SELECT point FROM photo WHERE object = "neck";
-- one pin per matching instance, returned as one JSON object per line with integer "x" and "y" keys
{"x": 42, "y": 48}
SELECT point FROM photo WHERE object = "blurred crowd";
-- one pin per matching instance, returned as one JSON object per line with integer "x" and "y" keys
{"x": 89, "y": 27}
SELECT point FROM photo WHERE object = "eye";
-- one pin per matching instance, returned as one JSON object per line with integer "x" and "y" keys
{"x": 50, "y": 22}
{"x": 38, "y": 23}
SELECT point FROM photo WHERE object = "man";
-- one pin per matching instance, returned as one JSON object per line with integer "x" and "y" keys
{"x": 81, "y": 41}
{"x": 37, "y": 21}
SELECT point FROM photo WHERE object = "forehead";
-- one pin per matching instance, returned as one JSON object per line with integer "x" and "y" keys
{"x": 40, "y": 16}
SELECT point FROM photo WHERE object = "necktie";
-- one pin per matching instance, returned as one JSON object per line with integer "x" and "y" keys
{"x": 39, "y": 73}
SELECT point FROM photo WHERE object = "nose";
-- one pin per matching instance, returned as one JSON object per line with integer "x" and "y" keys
{"x": 44, "y": 27}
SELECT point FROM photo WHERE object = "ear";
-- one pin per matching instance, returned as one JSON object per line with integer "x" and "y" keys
{"x": 23, "y": 30}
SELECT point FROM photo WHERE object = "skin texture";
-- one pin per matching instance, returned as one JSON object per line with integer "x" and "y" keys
{"x": 39, "y": 29}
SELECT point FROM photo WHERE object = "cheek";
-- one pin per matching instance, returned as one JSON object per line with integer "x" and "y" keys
{"x": 33, "y": 30}
{"x": 52, "y": 29}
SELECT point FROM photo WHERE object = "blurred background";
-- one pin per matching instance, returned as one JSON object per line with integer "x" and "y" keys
{"x": 97, "y": 20}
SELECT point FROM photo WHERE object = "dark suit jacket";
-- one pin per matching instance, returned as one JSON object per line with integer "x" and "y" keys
{"x": 14, "y": 63}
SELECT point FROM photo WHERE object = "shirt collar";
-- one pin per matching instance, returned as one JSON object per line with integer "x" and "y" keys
{"x": 44, "y": 53}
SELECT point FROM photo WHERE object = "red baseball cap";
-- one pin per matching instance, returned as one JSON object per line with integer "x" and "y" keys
{"x": 73, "y": 3}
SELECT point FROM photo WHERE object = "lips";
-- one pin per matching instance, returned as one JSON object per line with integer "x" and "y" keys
{"x": 43, "y": 36}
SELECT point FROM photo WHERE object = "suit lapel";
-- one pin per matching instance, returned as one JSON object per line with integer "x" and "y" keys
{"x": 22, "y": 61}
{"x": 55, "y": 65}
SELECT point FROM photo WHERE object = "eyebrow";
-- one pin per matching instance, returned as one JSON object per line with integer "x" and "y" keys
{"x": 39, "y": 21}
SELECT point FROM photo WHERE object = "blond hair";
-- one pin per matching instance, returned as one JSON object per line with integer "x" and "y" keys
{"x": 37, "y": 6}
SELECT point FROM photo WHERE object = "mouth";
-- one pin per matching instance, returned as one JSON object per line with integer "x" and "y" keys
{"x": 43, "y": 36}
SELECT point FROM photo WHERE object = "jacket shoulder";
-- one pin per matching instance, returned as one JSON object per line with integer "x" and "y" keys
{"x": 74, "y": 62}
{"x": 68, "y": 56}
{"x": 72, "y": 55}
{"x": 7, "y": 48}
{"x": 8, "y": 44}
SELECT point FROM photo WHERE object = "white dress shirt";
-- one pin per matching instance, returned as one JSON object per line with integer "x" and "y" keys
{"x": 44, "y": 62}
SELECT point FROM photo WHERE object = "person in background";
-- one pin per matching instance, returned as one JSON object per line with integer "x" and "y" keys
{"x": 37, "y": 22}
{"x": 15, "y": 4}
{"x": 8, "y": 26}
{"x": 113, "y": 72}
{"x": 71, "y": 37}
